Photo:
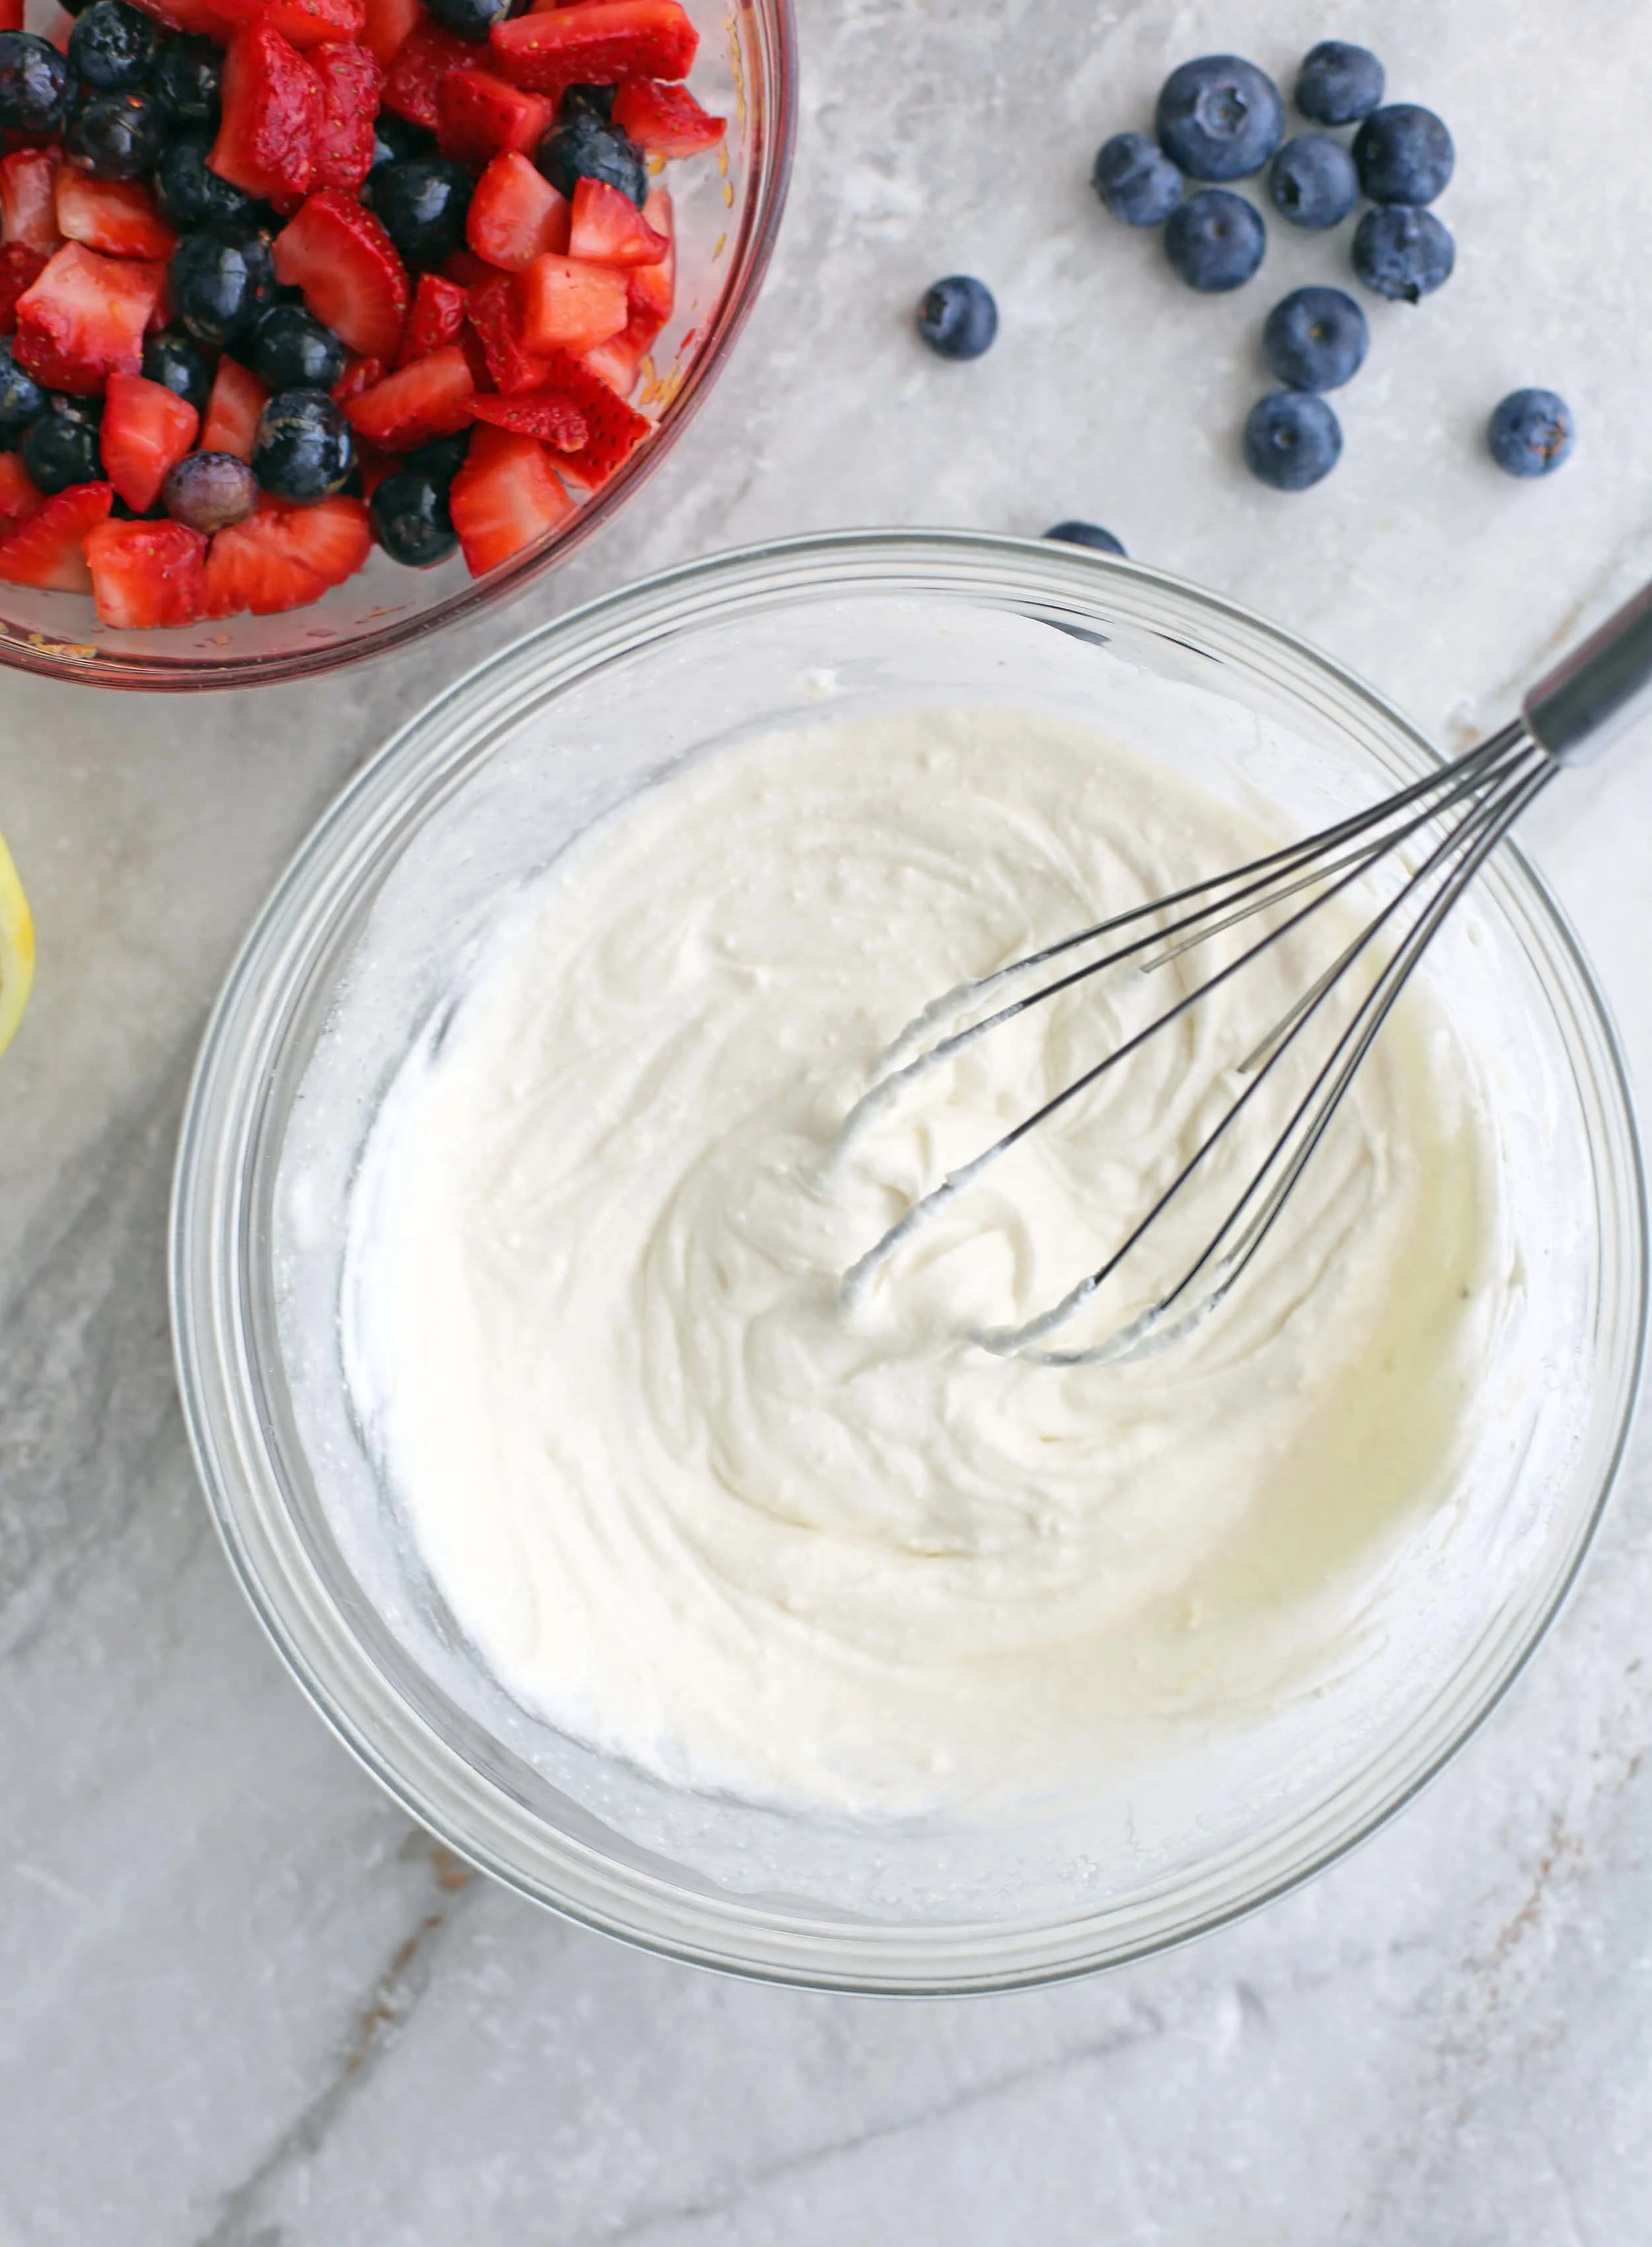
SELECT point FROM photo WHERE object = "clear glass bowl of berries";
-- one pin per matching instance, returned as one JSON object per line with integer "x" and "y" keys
{"x": 323, "y": 323}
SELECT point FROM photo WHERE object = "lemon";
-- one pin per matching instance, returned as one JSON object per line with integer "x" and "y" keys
{"x": 16, "y": 948}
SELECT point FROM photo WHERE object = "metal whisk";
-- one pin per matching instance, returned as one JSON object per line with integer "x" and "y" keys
{"x": 1453, "y": 819}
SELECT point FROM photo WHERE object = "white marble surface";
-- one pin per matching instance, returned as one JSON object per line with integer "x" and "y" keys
{"x": 241, "y": 2002}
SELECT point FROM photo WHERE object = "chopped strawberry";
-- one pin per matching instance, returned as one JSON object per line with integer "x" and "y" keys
{"x": 19, "y": 498}
{"x": 46, "y": 550}
{"x": 20, "y": 268}
{"x": 374, "y": 466}
{"x": 665, "y": 119}
{"x": 346, "y": 265}
{"x": 84, "y": 319}
{"x": 238, "y": 397}
{"x": 28, "y": 199}
{"x": 651, "y": 291}
{"x": 117, "y": 216}
{"x": 479, "y": 115}
{"x": 495, "y": 314}
{"x": 272, "y": 116}
{"x": 607, "y": 229}
{"x": 613, "y": 428}
{"x": 423, "y": 59}
{"x": 284, "y": 556}
{"x": 549, "y": 415}
{"x": 389, "y": 23}
{"x": 351, "y": 84}
{"x": 515, "y": 214}
{"x": 429, "y": 399}
{"x": 437, "y": 319}
{"x": 359, "y": 374}
{"x": 11, "y": 15}
{"x": 188, "y": 16}
{"x": 598, "y": 43}
{"x": 466, "y": 268}
{"x": 617, "y": 362}
{"x": 147, "y": 573}
{"x": 566, "y": 301}
{"x": 505, "y": 497}
{"x": 145, "y": 428}
{"x": 306, "y": 23}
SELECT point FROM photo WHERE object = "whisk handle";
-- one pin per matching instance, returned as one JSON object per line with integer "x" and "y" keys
{"x": 1599, "y": 688}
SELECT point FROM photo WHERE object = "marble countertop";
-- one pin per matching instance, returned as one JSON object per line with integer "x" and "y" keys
{"x": 245, "y": 2004}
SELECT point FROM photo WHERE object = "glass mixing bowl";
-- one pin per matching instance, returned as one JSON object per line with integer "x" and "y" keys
{"x": 358, "y": 945}
{"x": 727, "y": 211}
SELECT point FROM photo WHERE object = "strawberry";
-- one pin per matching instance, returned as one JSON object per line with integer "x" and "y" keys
{"x": 306, "y": 24}
{"x": 28, "y": 199}
{"x": 20, "y": 268}
{"x": 466, "y": 269}
{"x": 84, "y": 319}
{"x": 147, "y": 573}
{"x": 549, "y": 415}
{"x": 651, "y": 291}
{"x": 237, "y": 399}
{"x": 565, "y": 301}
{"x": 200, "y": 15}
{"x": 515, "y": 214}
{"x": 664, "y": 119}
{"x": 613, "y": 429}
{"x": 351, "y": 84}
{"x": 479, "y": 115}
{"x": 117, "y": 216}
{"x": 495, "y": 314}
{"x": 437, "y": 319}
{"x": 46, "y": 550}
{"x": 11, "y": 15}
{"x": 607, "y": 229}
{"x": 617, "y": 362}
{"x": 145, "y": 428}
{"x": 19, "y": 498}
{"x": 346, "y": 265}
{"x": 423, "y": 59}
{"x": 273, "y": 114}
{"x": 389, "y": 23}
{"x": 284, "y": 556}
{"x": 359, "y": 374}
{"x": 598, "y": 43}
{"x": 429, "y": 399}
{"x": 505, "y": 497}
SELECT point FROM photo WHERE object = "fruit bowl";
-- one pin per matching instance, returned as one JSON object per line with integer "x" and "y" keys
{"x": 727, "y": 206}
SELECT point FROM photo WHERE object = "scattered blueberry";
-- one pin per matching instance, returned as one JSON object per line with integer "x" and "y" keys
{"x": 410, "y": 519}
{"x": 34, "y": 83}
{"x": 291, "y": 350}
{"x": 60, "y": 448}
{"x": 421, "y": 203}
{"x": 958, "y": 317}
{"x": 189, "y": 192}
{"x": 1339, "y": 83}
{"x": 180, "y": 364}
{"x": 469, "y": 19}
{"x": 187, "y": 81}
{"x": 1404, "y": 154}
{"x": 219, "y": 282}
{"x": 1215, "y": 240}
{"x": 441, "y": 459}
{"x": 1313, "y": 182}
{"x": 1292, "y": 438}
{"x": 1402, "y": 253}
{"x": 1086, "y": 534}
{"x": 117, "y": 137}
{"x": 395, "y": 138}
{"x": 1315, "y": 339}
{"x": 22, "y": 398}
{"x": 1136, "y": 179}
{"x": 304, "y": 449}
{"x": 588, "y": 101}
{"x": 1531, "y": 432}
{"x": 209, "y": 491}
{"x": 1220, "y": 118}
{"x": 585, "y": 146}
{"x": 112, "y": 47}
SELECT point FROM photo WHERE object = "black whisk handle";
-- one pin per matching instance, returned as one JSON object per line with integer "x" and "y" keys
{"x": 1598, "y": 689}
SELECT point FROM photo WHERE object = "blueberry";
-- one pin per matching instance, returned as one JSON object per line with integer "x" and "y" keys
{"x": 34, "y": 83}
{"x": 410, "y": 519}
{"x": 22, "y": 398}
{"x": 116, "y": 137}
{"x": 1136, "y": 179}
{"x": 189, "y": 193}
{"x": 220, "y": 281}
{"x": 1086, "y": 534}
{"x": 60, "y": 448}
{"x": 1292, "y": 438}
{"x": 1404, "y": 154}
{"x": 395, "y": 138}
{"x": 1313, "y": 182}
{"x": 1401, "y": 254}
{"x": 1220, "y": 118}
{"x": 1339, "y": 83}
{"x": 291, "y": 350}
{"x": 421, "y": 203}
{"x": 182, "y": 364}
{"x": 957, "y": 317}
{"x": 1315, "y": 339}
{"x": 583, "y": 147}
{"x": 1216, "y": 241}
{"x": 587, "y": 101}
{"x": 112, "y": 47}
{"x": 441, "y": 459}
{"x": 187, "y": 81}
{"x": 209, "y": 491}
{"x": 469, "y": 19}
{"x": 1531, "y": 432}
{"x": 304, "y": 449}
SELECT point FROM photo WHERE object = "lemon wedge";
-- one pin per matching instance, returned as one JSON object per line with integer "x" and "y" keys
{"x": 16, "y": 948}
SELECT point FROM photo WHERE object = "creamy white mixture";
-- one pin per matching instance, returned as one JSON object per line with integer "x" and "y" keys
{"x": 691, "y": 1509}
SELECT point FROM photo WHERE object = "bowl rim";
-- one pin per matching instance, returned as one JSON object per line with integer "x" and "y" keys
{"x": 217, "y": 1381}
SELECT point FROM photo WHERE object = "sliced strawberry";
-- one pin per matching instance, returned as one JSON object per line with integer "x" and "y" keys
{"x": 147, "y": 573}
{"x": 202, "y": 16}
{"x": 429, "y": 399}
{"x": 306, "y": 23}
{"x": 20, "y": 268}
{"x": 11, "y": 15}
{"x": 351, "y": 84}
{"x": 84, "y": 319}
{"x": 145, "y": 428}
{"x": 665, "y": 119}
{"x": 272, "y": 116}
{"x": 613, "y": 428}
{"x": 388, "y": 24}
{"x": 374, "y": 466}
{"x": 607, "y": 229}
{"x": 423, "y": 59}
{"x": 565, "y": 301}
{"x": 19, "y": 498}
{"x": 437, "y": 319}
{"x": 285, "y": 557}
{"x": 549, "y": 415}
{"x": 117, "y": 216}
{"x": 28, "y": 199}
{"x": 359, "y": 374}
{"x": 495, "y": 314}
{"x": 346, "y": 265}
{"x": 515, "y": 214}
{"x": 596, "y": 43}
{"x": 238, "y": 397}
{"x": 505, "y": 497}
{"x": 46, "y": 550}
{"x": 651, "y": 291}
{"x": 466, "y": 269}
{"x": 618, "y": 362}
{"x": 479, "y": 115}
